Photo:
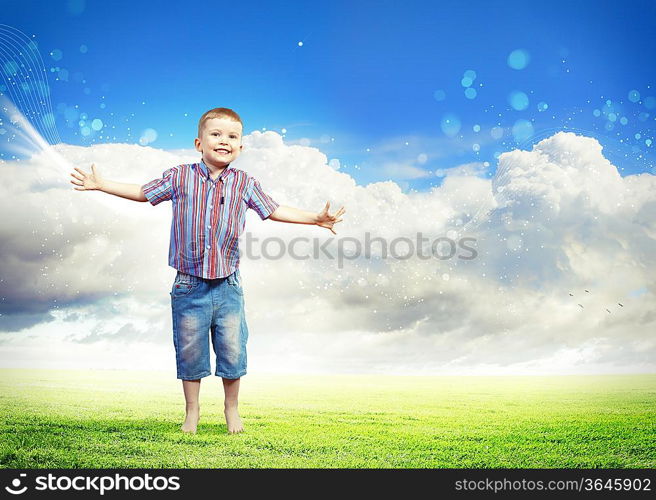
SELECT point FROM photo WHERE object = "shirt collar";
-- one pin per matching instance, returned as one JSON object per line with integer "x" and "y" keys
{"x": 205, "y": 171}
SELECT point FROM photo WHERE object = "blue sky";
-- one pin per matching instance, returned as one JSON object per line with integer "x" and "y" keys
{"x": 377, "y": 85}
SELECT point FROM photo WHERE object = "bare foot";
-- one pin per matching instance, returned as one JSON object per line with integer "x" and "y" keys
{"x": 191, "y": 421}
{"x": 233, "y": 420}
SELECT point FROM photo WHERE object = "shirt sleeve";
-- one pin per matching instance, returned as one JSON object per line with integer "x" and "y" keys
{"x": 159, "y": 190}
{"x": 261, "y": 202}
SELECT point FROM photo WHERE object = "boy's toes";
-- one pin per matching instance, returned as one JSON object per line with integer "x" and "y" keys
{"x": 233, "y": 421}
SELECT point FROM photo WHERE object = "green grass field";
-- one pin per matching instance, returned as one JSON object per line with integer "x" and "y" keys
{"x": 124, "y": 419}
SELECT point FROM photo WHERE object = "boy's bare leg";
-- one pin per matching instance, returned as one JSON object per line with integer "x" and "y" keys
{"x": 233, "y": 420}
{"x": 191, "y": 390}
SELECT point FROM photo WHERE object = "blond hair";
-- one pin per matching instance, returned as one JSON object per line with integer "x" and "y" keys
{"x": 218, "y": 113}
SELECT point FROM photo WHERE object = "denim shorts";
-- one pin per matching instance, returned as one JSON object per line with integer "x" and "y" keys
{"x": 203, "y": 309}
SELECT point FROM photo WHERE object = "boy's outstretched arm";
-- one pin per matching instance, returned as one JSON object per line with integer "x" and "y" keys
{"x": 296, "y": 216}
{"x": 90, "y": 181}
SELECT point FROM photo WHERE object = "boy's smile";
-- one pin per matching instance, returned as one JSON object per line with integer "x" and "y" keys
{"x": 220, "y": 141}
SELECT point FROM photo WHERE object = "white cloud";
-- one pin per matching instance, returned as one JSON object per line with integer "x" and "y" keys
{"x": 473, "y": 169}
{"x": 399, "y": 170}
{"x": 88, "y": 271}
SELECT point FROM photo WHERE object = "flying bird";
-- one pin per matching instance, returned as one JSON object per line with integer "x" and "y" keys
{"x": 621, "y": 305}
{"x": 608, "y": 311}
{"x": 588, "y": 291}
{"x": 581, "y": 306}
{"x": 571, "y": 295}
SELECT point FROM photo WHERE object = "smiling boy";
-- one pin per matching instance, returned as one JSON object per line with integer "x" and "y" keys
{"x": 210, "y": 199}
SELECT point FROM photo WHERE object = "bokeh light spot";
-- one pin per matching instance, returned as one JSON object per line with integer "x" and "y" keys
{"x": 450, "y": 124}
{"x": 147, "y": 136}
{"x": 56, "y": 54}
{"x": 542, "y": 106}
{"x": 70, "y": 114}
{"x": 634, "y": 95}
{"x": 518, "y": 100}
{"x": 522, "y": 130}
{"x": 518, "y": 59}
{"x": 496, "y": 133}
{"x": 439, "y": 95}
{"x": 97, "y": 124}
{"x": 470, "y": 93}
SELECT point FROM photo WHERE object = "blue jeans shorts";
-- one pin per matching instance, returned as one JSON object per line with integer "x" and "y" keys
{"x": 205, "y": 309}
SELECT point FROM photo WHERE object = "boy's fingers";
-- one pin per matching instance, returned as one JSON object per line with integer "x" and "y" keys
{"x": 341, "y": 211}
{"x": 81, "y": 171}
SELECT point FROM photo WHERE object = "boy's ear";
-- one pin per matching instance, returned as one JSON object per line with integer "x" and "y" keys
{"x": 197, "y": 144}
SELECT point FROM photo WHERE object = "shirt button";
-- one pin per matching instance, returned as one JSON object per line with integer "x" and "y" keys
{"x": 211, "y": 206}
{"x": 209, "y": 227}
{"x": 208, "y": 247}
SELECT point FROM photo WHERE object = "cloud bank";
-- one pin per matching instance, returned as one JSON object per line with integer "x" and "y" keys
{"x": 85, "y": 280}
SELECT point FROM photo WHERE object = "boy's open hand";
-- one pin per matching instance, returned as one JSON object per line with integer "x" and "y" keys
{"x": 86, "y": 181}
{"x": 324, "y": 219}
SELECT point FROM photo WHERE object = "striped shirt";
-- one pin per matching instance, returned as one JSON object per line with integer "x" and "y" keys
{"x": 208, "y": 216}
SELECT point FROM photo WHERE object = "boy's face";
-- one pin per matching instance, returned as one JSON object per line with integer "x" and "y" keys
{"x": 220, "y": 141}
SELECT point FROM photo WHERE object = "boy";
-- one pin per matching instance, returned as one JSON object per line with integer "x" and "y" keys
{"x": 209, "y": 199}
